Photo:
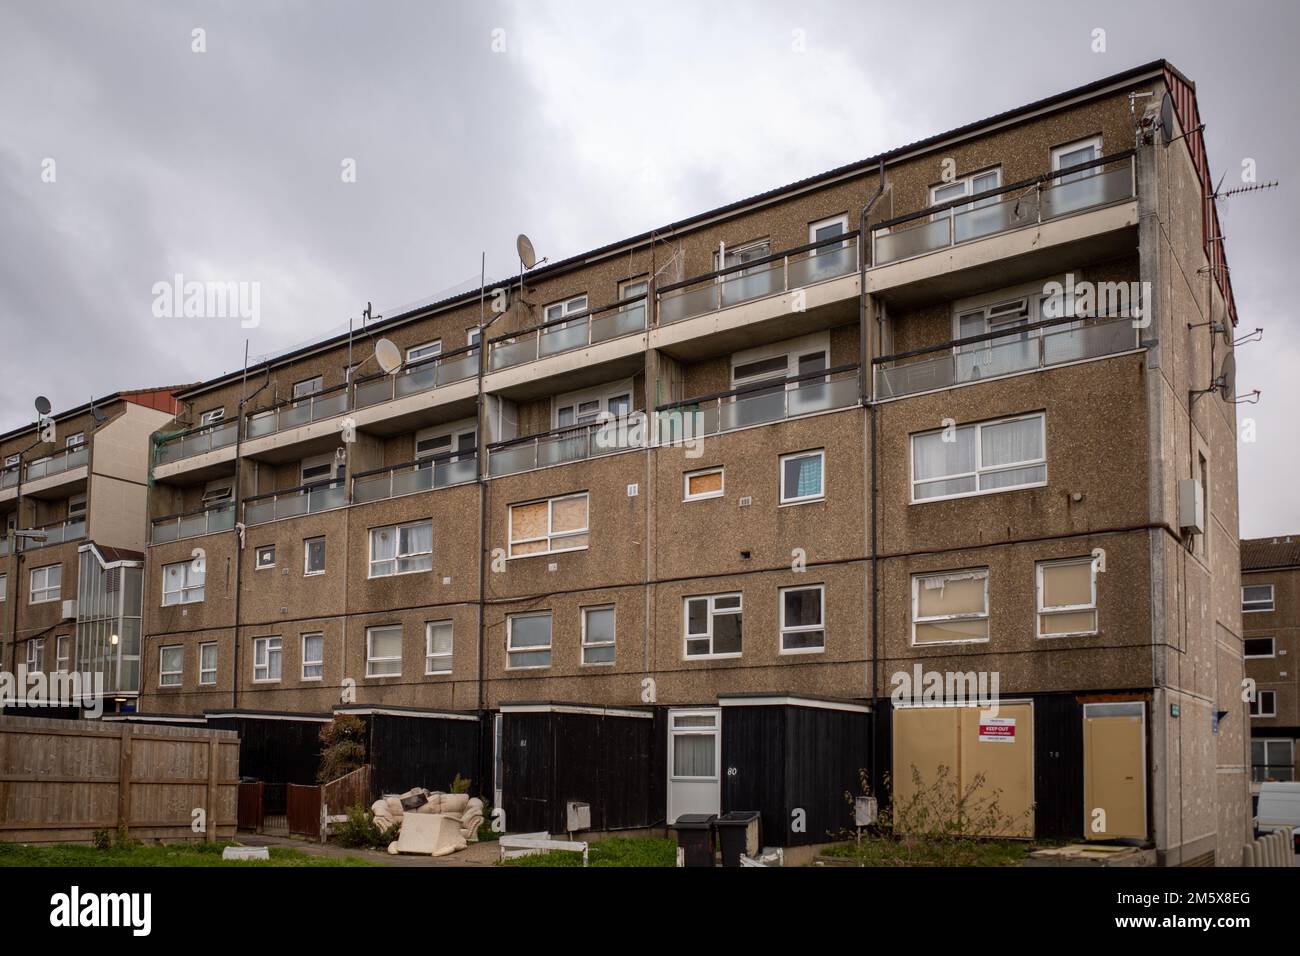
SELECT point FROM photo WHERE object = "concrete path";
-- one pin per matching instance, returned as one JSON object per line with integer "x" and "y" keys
{"x": 476, "y": 854}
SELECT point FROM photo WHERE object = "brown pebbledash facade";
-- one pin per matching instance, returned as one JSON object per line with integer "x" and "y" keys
{"x": 1270, "y": 623}
{"x": 687, "y": 522}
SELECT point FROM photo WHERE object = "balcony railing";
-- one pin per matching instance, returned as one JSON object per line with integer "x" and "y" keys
{"x": 565, "y": 335}
{"x": 305, "y": 499}
{"x": 574, "y": 443}
{"x": 294, "y": 412}
{"x": 441, "y": 471}
{"x": 56, "y": 533}
{"x": 759, "y": 403}
{"x": 979, "y": 357}
{"x": 196, "y": 441}
{"x": 1089, "y": 185}
{"x": 57, "y": 463}
{"x": 9, "y": 477}
{"x": 781, "y": 272}
{"x": 192, "y": 524}
{"x": 4, "y": 547}
{"x": 421, "y": 376}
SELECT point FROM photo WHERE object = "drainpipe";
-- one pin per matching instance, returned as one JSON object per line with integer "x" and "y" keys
{"x": 16, "y": 555}
{"x": 868, "y": 397}
{"x": 239, "y": 525}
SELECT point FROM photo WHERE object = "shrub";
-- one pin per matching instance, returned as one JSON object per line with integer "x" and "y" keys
{"x": 460, "y": 784}
{"x": 361, "y": 831}
{"x": 343, "y": 750}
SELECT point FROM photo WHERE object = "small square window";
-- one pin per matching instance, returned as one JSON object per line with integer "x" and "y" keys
{"x": 1067, "y": 598}
{"x": 1264, "y": 704}
{"x": 266, "y": 557}
{"x": 313, "y": 556}
{"x": 1259, "y": 647}
{"x": 1256, "y": 597}
{"x": 313, "y": 656}
{"x": 803, "y": 620}
{"x": 528, "y": 640}
{"x": 384, "y": 651}
{"x": 706, "y": 483}
{"x": 713, "y": 625}
{"x": 268, "y": 659}
{"x": 950, "y": 607}
{"x": 802, "y": 477}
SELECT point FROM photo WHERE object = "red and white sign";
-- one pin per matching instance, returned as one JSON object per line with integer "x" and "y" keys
{"x": 998, "y": 730}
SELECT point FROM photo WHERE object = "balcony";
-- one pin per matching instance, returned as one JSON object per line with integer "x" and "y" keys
{"x": 294, "y": 502}
{"x": 196, "y": 441}
{"x": 442, "y": 471}
{"x": 328, "y": 403}
{"x": 568, "y": 334}
{"x": 759, "y": 404}
{"x": 422, "y": 376}
{"x": 563, "y": 445}
{"x": 57, "y": 532}
{"x": 9, "y": 477}
{"x": 996, "y": 354}
{"x": 58, "y": 463}
{"x": 192, "y": 524}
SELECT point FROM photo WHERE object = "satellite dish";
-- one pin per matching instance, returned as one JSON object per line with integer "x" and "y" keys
{"x": 527, "y": 254}
{"x": 1225, "y": 329}
{"x": 42, "y": 405}
{"x": 388, "y": 355}
{"x": 97, "y": 414}
{"x": 1167, "y": 120}
{"x": 1228, "y": 378}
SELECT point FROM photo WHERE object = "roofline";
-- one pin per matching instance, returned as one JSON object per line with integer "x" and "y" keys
{"x": 1294, "y": 566}
{"x": 119, "y": 396}
{"x": 1153, "y": 69}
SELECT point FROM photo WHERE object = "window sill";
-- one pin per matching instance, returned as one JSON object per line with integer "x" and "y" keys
{"x": 712, "y": 657}
{"x": 802, "y": 650}
{"x": 1052, "y": 637}
{"x": 531, "y": 667}
{"x": 977, "y": 494}
{"x": 801, "y": 501}
{"x": 547, "y": 554}
{"x": 973, "y": 640}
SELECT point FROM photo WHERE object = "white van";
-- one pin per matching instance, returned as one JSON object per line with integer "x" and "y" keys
{"x": 1279, "y": 809}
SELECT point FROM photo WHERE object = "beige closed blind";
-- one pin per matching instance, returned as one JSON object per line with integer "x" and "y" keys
{"x": 1067, "y": 585}
{"x": 941, "y": 596}
{"x": 708, "y": 484}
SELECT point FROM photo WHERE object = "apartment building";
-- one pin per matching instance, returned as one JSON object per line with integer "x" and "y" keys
{"x": 1270, "y": 625}
{"x": 688, "y": 522}
{"x": 73, "y": 502}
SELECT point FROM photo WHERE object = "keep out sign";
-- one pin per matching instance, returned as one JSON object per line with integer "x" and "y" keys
{"x": 998, "y": 730}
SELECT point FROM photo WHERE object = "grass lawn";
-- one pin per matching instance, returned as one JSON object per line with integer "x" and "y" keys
{"x": 168, "y": 854}
{"x": 883, "y": 851}
{"x": 615, "y": 851}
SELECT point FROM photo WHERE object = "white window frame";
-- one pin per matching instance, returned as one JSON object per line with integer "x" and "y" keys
{"x": 472, "y": 335}
{"x": 601, "y": 395}
{"x": 265, "y": 642}
{"x": 713, "y": 612}
{"x": 300, "y": 394}
{"x": 178, "y": 672}
{"x": 62, "y": 653}
{"x": 566, "y": 307}
{"x": 453, "y": 433}
{"x": 550, "y": 535}
{"x": 218, "y": 491}
{"x": 792, "y": 349}
{"x": 591, "y": 645}
{"x": 259, "y": 554}
{"x": 432, "y": 661}
{"x": 533, "y": 649}
{"x": 974, "y": 616}
{"x": 1039, "y": 567}
{"x": 36, "y": 655}
{"x": 45, "y": 588}
{"x": 1259, "y": 701}
{"x": 417, "y": 353}
{"x": 398, "y": 555}
{"x": 1272, "y": 647}
{"x": 734, "y": 254}
{"x": 4, "y": 587}
{"x": 307, "y": 543}
{"x": 208, "y": 675}
{"x": 700, "y": 473}
{"x": 187, "y": 589}
{"x": 785, "y": 629}
{"x": 968, "y": 189}
{"x": 372, "y": 660}
{"x": 780, "y": 477}
{"x": 1059, "y": 151}
{"x": 212, "y": 416}
{"x": 77, "y": 506}
{"x": 313, "y": 663}
{"x": 12, "y": 460}
{"x": 327, "y": 461}
{"x": 842, "y": 220}
{"x": 1272, "y": 597}
{"x": 979, "y": 454}
{"x": 674, "y": 731}
{"x": 75, "y": 440}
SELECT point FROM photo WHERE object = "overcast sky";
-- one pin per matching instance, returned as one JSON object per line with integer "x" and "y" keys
{"x": 468, "y": 123}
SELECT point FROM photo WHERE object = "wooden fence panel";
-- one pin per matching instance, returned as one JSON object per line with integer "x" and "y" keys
{"x": 303, "y": 810}
{"x": 350, "y": 790}
{"x": 250, "y": 806}
{"x": 63, "y": 780}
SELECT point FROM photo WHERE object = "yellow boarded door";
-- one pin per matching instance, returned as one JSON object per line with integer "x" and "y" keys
{"x": 1114, "y": 771}
{"x": 939, "y": 756}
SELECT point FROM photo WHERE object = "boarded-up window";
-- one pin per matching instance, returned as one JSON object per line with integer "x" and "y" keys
{"x": 1067, "y": 597}
{"x": 950, "y": 606}
{"x": 541, "y": 527}
{"x": 703, "y": 484}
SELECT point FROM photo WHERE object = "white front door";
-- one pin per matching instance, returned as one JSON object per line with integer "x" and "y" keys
{"x": 694, "y": 761}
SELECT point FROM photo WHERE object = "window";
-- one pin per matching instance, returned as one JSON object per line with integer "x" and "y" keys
{"x": 268, "y": 658}
{"x": 634, "y": 312}
{"x": 828, "y": 229}
{"x": 265, "y": 557}
{"x": 444, "y": 440}
{"x": 212, "y": 416}
{"x": 11, "y": 460}
{"x": 62, "y": 650}
{"x": 561, "y": 310}
{"x": 803, "y": 619}
{"x": 313, "y": 656}
{"x": 36, "y": 655}
{"x": 308, "y": 387}
{"x": 775, "y": 363}
{"x": 1259, "y": 647}
{"x": 713, "y": 625}
{"x": 1272, "y": 760}
{"x": 45, "y": 583}
{"x": 401, "y": 549}
{"x": 747, "y": 252}
{"x": 802, "y": 477}
{"x": 1256, "y": 597}
{"x": 182, "y": 583}
{"x": 528, "y": 640}
{"x": 437, "y": 647}
{"x": 950, "y": 607}
{"x": 547, "y": 527}
{"x": 695, "y": 745}
{"x": 208, "y": 664}
{"x": 313, "y": 556}
{"x": 966, "y": 186}
{"x": 706, "y": 483}
{"x": 217, "y": 492}
{"x": 586, "y": 407}
{"x": 598, "y": 635}
{"x": 318, "y": 470}
{"x": 77, "y": 507}
{"x": 4, "y": 587}
{"x": 171, "y": 665}
{"x": 1264, "y": 704}
{"x": 384, "y": 651}
{"x": 429, "y": 349}
{"x": 1074, "y": 154}
{"x": 980, "y": 459}
{"x": 472, "y": 335}
{"x": 1067, "y": 597}
{"x": 75, "y": 441}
